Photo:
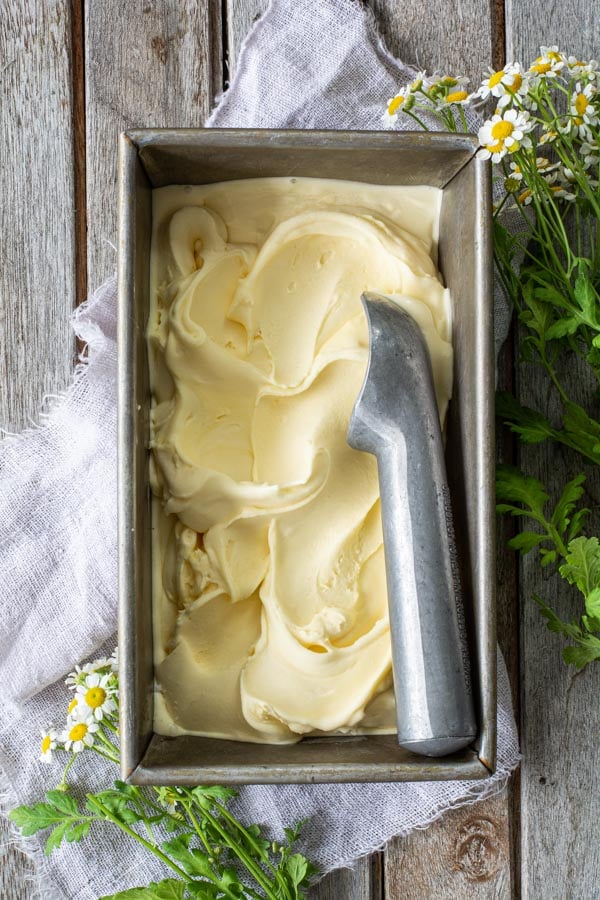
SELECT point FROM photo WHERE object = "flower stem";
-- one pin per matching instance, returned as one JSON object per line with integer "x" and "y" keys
{"x": 106, "y": 813}
{"x": 63, "y": 781}
{"x": 254, "y": 869}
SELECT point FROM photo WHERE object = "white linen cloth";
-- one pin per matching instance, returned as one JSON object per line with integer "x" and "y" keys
{"x": 304, "y": 65}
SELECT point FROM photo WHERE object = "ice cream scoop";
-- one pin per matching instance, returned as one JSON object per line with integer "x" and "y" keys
{"x": 395, "y": 418}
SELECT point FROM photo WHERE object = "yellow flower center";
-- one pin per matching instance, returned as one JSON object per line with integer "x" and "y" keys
{"x": 456, "y": 96}
{"x": 72, "y": 705}
{"x": 516, "y": 83}
{"x": 501, "y": 130}
{"x": 552, "y": 54}
{"x": 395, "y": 104}
{"x": 494, "y": 148}
{"x": 78, "y": 732}
{"x": 95, "y": 697}
{"x": 581, "y": 103}
{"x": 541, "y": 68}
{"x": 522, "y": 197}
{"x": 46, "y": 743}
{"x": 496, "y": 78}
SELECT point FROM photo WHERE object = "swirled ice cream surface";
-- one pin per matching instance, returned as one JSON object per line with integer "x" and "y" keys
{"x": 270, "y": 604}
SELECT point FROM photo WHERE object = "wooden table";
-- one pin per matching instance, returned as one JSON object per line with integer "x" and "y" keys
{"x": 72, "y": 75}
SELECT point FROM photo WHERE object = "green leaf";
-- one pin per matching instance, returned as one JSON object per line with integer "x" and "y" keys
{"x": 527, "y": 541}
{"x": 547, "y": 557}
{"x": 582, "y": 564}
{"x": 204, "y": 890}
{"x": 586, "y": 651}
{"x": 205, "y": 795}
{"x": 586, "y": 298}
{"x": 531, "y": 426}
{"x": 592, "y": 604}
{"x": 55, "y": 838}
{"x": 64, "y": 801}
{"x": 577, "y": 523}
{"x": 555, "y": 624}
{"x": 193, "y": 862}
{"x": 169, "y": 889}
{"x": 581, "y": 432}
{"x": 127, "y": 790}
{"x": 565, "y": 506}
{"x": 591, "y": 623}
{"x": 129, "y": 816}
{"x": 512, "y": 485}
{"x": 293, "y": 833}
{"x": 77, "y": 832}
{"x": 297, "y": 867}
{"x": 561, "y": 328}
{"x": 31, "y": 819}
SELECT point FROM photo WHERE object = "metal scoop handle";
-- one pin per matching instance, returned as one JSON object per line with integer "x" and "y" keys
{"x": 396, "y": 419}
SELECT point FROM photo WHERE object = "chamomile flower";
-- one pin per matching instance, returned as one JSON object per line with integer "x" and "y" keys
{"x": 503, "y": 84}
{"x": 504, "y": 133}
{"x": 48, "y": 745}
{"x": 548, "y": 137}
{"x": 72, "y": 707}
{"x": 390, "y": 116}
{"x": 459, "y": 97}
{"x": 169, "y": 798}
{"x": 584, "y": 108}
{"x": 543, "y": 164}
{"x": 590, "y": 150}
{"x": 80, "y": 673}
{"x": 525, "y": 197}
{"x": 562, "y": 191}
{"x": 417, "y": 82}
{"x": 96, "y": 695}
{"x": 79, "y": 733}
{"x": 581, "y": 69}
{"x": 548, "y": 64}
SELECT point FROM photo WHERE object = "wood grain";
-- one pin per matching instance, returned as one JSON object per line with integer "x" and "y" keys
{"x": 240, "y": 16}
{"x": 464, "y": 855}
{"x": 362, "y": 882}
{"x": 147, "y": 64}
{"x": 37, "y": 242}
{"x": 453, "y": 37}
{"x": 560, "y": 714}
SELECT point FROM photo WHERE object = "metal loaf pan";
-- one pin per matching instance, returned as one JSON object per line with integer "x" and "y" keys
{"x": 152, "y": 158}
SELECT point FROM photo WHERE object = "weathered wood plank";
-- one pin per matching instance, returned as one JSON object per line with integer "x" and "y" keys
{"x": 560, "y": 714}
{"x": 147, "y": 64}
{"x": 37, "y": 249}
{"x": 464, "y": 855}
{"x": 560, "y": 719}
{"x": 362, "y": 882}
{"x": 240, "y": 16}
{"x": 508, "y": 609}
{"x": 459, "y": 38}
{"x": 37, "y": 242}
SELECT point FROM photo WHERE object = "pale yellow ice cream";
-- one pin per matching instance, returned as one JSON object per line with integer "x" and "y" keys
{"x": 270, "y": 603}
